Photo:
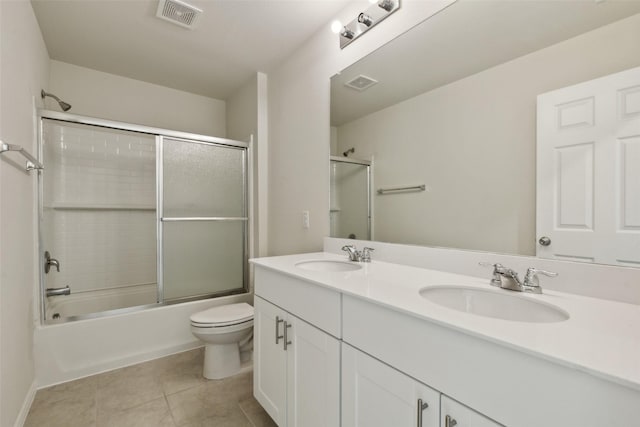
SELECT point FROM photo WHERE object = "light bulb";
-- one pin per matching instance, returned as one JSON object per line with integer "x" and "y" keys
{"x": 336, "y": 27}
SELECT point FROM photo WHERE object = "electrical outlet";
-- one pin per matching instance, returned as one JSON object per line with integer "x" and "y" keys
{"x": 305, "y": 219}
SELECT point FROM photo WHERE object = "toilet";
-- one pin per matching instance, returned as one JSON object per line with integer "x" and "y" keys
{"x": 225, "y": 330}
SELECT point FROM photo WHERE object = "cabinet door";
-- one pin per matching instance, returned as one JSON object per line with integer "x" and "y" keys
{"x": 462, "y": 416}
{"x": 313, "y": 376}
{"x": 374, "y": 394}
{"x": 270, "y": 361}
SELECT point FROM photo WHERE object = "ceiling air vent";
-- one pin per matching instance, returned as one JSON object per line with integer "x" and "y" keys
{"x": 361, "y": 83}
{"x": 178, "y": 12}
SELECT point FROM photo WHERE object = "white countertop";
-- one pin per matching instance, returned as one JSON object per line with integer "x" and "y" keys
{"x": 601, "y": 337}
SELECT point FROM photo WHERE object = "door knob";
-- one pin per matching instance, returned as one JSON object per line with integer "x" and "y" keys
{"x": 544, "y": 241}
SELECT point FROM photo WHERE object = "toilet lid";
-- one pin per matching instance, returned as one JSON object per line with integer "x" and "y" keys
{"x": 224, "y": 315}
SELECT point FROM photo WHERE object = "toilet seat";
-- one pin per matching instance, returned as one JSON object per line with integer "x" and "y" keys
{"x": 224, "y": 315}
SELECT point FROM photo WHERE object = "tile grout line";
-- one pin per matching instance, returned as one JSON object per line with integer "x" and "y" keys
{"x": 166, "y": 399}
{"x": 246, "y": 415}
{"x": 95, "y": 402}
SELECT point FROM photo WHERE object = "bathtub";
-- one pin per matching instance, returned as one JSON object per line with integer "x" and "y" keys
{"x": 67, "y": 351}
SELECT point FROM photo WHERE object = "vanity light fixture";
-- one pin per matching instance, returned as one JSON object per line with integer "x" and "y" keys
{"x": 387, "y": 5}
{"x": 365, "y": 19}
{"x": 347, "y": 33}
{"x": 372, "y": 16}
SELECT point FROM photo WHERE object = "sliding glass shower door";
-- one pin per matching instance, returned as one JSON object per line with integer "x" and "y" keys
{"x": 132, "y": 217}
{"x": 350, "y": 209}
{"x": 204, "y": 219}
{"x": 98, "y": 219}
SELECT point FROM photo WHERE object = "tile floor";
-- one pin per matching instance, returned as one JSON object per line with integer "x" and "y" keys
{"x": 165, "y": 392}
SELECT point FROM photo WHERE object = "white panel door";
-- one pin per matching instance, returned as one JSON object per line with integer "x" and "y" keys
{"x": 313, "y": 385}
{"x": 270, "y": 360}
{"x": 453, "y": 413}
{"x": 588, "y": 171}
{"x": 374, "y": 394}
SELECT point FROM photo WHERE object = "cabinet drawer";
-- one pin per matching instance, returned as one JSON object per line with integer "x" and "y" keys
{"x": 314, "y": 304}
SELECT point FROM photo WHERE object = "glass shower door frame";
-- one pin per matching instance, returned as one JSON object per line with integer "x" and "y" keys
{"x": 161, "y": 219}
{"x": 367, "y": 164}
{"x": 159, "y": 134}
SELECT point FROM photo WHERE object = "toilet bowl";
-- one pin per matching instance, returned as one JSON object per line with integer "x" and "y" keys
{"x": 223, "y": 330}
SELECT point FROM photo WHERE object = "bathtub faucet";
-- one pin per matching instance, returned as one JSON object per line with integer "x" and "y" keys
{"x": 48, "y": 262}
{"x": 54, "y": 292}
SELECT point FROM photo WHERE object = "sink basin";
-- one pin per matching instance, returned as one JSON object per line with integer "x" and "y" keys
{"x": 328, "y": 265}
{"x": 499, "y": 304}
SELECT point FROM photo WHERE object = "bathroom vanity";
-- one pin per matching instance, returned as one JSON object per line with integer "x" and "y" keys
{"x": 341, "y": 343}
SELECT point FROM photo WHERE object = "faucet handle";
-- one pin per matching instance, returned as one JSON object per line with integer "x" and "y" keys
{"x": 531, "y": 277}
{"x": 491, "y": 264}
{"x": 366, "y": 254}
{"x": 354, "y": 254}
{"x": 497, "y": 270}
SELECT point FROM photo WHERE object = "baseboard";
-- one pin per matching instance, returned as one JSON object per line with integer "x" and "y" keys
{"x": 124, "y": 362}
{"x": 26, "y": 405}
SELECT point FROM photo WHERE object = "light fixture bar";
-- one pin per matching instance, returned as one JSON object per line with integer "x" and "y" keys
{"x": 366, "y": 20}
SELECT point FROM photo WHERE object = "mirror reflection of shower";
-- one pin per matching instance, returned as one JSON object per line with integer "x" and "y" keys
{"x": 350, "y": 203}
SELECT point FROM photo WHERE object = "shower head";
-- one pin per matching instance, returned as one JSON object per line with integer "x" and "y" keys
{"x": 350, "y": 150}
{"x": 61, "y": 103}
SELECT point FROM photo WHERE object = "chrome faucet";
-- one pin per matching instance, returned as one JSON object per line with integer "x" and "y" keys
{"x": 356, "y": 255}
{"x": 366, "y": 254}
{"x": 54, "y": 292}
{"x": 507, "y": 278}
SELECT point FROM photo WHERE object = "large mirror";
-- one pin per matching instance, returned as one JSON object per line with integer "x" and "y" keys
{"x": 451, "y": 116}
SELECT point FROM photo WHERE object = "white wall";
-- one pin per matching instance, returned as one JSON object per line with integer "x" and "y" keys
{"x": 242, "y": 111}
{"x": 24, "y": 65}
{"x": 107, "y": 96}
{"x": 242, "y": 125}
{"x": 299, "y": 125}
{"x": 473, "y": 143}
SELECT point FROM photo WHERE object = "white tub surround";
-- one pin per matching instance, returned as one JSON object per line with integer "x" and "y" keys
{"x": 582, "y": 371}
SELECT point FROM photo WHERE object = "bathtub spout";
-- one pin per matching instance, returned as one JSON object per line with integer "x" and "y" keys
{"x": 54, "y": 292}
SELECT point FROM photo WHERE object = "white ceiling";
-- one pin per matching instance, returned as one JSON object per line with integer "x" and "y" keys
{"x": 231, "y": 42}
{"x": 466, "y": 38}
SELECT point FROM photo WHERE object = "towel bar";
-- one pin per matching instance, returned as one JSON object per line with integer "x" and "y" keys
{"x": 32, "y": 162}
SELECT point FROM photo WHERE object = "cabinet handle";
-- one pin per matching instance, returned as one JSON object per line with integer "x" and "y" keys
{"x": 449, "y": 422}
{"x": 421, "y": 407}
{"x": 286, "y": 335}
{"x": 278, "y": 336}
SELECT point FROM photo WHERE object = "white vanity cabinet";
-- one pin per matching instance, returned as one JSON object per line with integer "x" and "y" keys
{"x": 362, "y": 334}
{"x": 296, "y": 365}
{"x": 376, "y": 395}
{"x": 455, "y": 414}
